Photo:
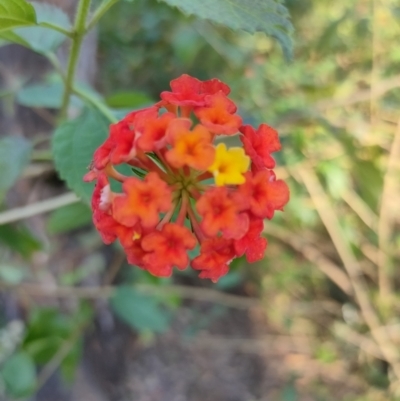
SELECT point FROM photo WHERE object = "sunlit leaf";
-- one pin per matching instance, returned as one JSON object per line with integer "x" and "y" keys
{"x": 40, "y": 38}
{"x": 15, "y": 13}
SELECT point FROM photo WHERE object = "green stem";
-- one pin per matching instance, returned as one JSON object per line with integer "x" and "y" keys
{"x": 42, "y": 155}
{"x": 56, "y": 64}
{"x": 77, "y": 38}
{"x": 95, "y": 102}
{"x": 57, "y": 28}
{"x": 102, "y": 9}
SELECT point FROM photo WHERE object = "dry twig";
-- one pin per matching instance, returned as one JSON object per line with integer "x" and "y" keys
{"x": 196, "y": 293}
{"x": 34, "y": 209}
{"x": 385, "y": 224}
{"x": 329, "y": 218}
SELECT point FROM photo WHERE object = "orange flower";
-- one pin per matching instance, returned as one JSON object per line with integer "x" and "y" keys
{"x": 265, "y": 193}
{"x": 252, "y": 244}
{"x": 152, "y": 134}
{"x": 172, "y": 166}
{"x": 221, "y": 212}
{"x": 215, "y": 256}
{"x": 189, "y": 91}
{"x": 218, "y": 115}
{"x": 167, "y": 248}
{"x": 190, "y": 148}
{"x": 260, "y": 144}
{"x": 142, "y": 201}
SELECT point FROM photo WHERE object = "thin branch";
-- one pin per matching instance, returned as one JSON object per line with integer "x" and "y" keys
{"x": 34, "y": 209}
{"x": 59, "y": 357}
{"x": 386, "y": 223}
{"x": 362, "y": 210}
{"x": 334, "y": 272}
{"x": 57, "y": 28}
{"x": 98, "y": 104}
{"x": 101, "y": 10}
{"x": 380, "y": 89}
{"x": 345, "y": 333}
{"x": 329, "y": 218}
{"x": 77, "y": 39}
{"x": 105, "y": 292}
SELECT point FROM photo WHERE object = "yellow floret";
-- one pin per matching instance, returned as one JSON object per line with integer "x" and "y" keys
{"x": 229, "y": 165}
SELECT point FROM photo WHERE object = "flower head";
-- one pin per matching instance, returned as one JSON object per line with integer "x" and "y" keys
{"x": 185, "y": 190}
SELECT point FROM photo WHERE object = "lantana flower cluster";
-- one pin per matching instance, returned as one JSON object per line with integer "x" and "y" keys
{"x": 187, "y": 188}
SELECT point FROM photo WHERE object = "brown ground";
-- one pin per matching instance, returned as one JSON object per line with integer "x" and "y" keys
{"x": 180, "y": 365}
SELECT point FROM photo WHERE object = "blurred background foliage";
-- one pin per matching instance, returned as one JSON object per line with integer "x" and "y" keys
{"x": 336, "y": 106}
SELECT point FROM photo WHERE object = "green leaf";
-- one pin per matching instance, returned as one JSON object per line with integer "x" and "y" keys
{"x": 48, "y": 95}
{"x": 269, "y": 16}
{"x": 15, "y": 13}
{"x": 19, "y": 374}
{"x": 74, "y": 143}
{"x": 19, "y": 239}
{"x": 289, "y": 393}
{"x": 69, "y": 218}
{"x": 11, "y": 274}
{"x": 140, "y": 311}
{"x": 336, "y": 178}
{"x": 126, "y": 99}
{"x": 40, "y": 38}
{"x": 14, "y": 156}
{"x": 10, "y": 36}
{"x": 41, "y": 95}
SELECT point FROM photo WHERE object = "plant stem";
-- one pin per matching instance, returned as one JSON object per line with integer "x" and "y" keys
{"x": 77, "y": 38}
{"x": 102, "y": 9}
{"x": 95, "y": 102}
{"x": 57, "y": 28}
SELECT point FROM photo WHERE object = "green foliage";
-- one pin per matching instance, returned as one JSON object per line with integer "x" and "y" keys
{"x": 41, "y": 95}
{"x": 19, "y": 239}
{"x": 289, "y": 393}
{"x": 128, "y": 99}
{"x": 69, "y": 218}
{"x": 40, "y": 38}
{"x": 142, "y": 312}
{"x": 15, "y": 13}
{"x": 93, "y": 264}
{"x": 14, "y": 156}
{"x": 11, "y": 274}
{"x": 48, "y": 330}
{"x": 74, "y": 143}
{"x": 19, "y": 374}
{"x": 269, "y": 16}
